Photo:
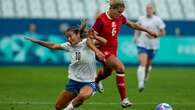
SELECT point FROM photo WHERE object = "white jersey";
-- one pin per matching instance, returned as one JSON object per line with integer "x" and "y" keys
{"x": 154, "y": 23}
{"x": 83, "y": 62}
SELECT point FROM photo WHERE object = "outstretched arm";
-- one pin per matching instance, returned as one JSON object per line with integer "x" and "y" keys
{"x": 140, "y": 28}
{"x": 49, "y": 45}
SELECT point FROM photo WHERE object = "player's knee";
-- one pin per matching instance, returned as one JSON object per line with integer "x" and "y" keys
{"x": 81, "y": 99}
{"x": 120, "y": 68}
{"x": 84, "y": 96}
{"x": 143, "y": 63}
{"x": 57, "y": 107}
{"x": 141, "y": 68}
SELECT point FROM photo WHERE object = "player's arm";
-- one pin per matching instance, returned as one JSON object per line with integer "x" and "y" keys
{"x": 91, "y": 45}
{"x": 141, "y": 28}
{"x": 161, "y": 27}
{"x": 98, "y": 39}
{"x": 162, "y": 32}
{"x": 49, "y": 45}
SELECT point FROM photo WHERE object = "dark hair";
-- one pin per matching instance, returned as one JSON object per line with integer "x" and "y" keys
{"x": 81, "y": 29}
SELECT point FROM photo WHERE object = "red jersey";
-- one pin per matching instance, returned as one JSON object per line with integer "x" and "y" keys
{"x": 109, "y": 29}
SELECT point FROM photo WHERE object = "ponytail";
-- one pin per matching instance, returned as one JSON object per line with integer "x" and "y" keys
{"x": 83, "y": 28}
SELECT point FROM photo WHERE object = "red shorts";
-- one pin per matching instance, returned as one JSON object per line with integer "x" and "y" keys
{"x": 108, "y": 54}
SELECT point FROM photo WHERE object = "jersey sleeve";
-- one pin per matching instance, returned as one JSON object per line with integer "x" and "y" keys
{"x": 84, "y": 42}
{"x": 98, "y": 25}
{"x": 161, "y": 24}
{"x": 66, "y": 46}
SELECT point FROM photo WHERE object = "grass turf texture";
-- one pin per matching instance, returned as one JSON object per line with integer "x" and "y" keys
{"x": 36, "y": 88}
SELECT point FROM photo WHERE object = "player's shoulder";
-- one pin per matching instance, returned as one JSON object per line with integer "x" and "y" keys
{"x": 157, "y": 17}
{"x": 66, "y": 44}
{"x": 142, "y": 18}
{"x": 82, "y": 42}
{"x": 102, "y": 16}
{"x": 122, "y": 17}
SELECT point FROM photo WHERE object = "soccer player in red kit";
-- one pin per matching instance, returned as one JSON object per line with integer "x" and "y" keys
{"x": 108, "y": 25}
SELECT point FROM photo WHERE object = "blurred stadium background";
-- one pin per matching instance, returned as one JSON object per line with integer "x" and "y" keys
{"x": 35, "y": 83}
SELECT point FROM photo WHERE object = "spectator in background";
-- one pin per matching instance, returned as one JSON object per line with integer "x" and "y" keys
{"x": 32, "y": 31}
{"x": 178, "y": 32}
{"x": 63, "y": 27}
{"x": 32, "y": 28}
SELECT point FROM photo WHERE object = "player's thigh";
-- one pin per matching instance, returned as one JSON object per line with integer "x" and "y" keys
{"x": 64, "y": 98}
{"x": 151, "y": 55}
{"x": 86, "y": 92}
{"x": 115, "y": 63}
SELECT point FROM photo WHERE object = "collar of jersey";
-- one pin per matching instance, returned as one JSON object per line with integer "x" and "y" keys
{"x": 108, "y": 16}
{"x": 77, "y": 44}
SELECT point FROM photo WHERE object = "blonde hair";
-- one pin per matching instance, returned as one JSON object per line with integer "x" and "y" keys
{"x": 153, "y": 5}
{"x": 116, "y": 3}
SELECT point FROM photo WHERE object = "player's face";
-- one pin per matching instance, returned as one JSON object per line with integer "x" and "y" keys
{"x": 116, "y": 12}
{"x": 149, "y": 10}
{"x": 73, "y": 38}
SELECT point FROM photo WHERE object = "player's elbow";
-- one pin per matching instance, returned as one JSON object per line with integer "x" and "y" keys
{"x": 88, "y": 42}
{"x": 54, "y": 47}
{"x": 104, "y": 42}
{"x": 162, "y": 32}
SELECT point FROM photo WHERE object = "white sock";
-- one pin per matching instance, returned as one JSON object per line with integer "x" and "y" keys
{"x": 149, "y": 68}
{"x": 69, "y": 107}
{"x": 141, "y": 76}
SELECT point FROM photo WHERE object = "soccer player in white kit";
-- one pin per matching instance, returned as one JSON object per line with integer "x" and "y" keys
{"x": 82, "y": 70}
{"x": 147, "y": 46}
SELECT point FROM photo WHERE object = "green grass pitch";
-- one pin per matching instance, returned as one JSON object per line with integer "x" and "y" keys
{"x": 36, "y": 88}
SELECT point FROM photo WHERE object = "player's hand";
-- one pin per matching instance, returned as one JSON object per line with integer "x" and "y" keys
{"x": 92, "y": 34}
{"x": 29, "y": 38}
{"x": 152, "y": 34}
{"x": 100, "y": 55}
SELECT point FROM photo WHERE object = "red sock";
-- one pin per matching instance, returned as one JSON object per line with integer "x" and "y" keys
{"x": 121, "y": 84}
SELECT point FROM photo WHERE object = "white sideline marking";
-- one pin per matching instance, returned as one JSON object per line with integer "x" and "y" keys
{"x": 95, "y": 103}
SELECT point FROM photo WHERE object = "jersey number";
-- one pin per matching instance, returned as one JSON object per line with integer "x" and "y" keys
{"x": 78, "y": 55}
{"x": 113, "y": 29}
